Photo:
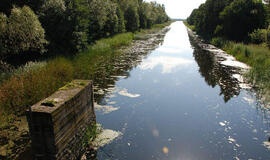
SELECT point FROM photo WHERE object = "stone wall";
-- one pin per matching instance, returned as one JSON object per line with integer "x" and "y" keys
{"x": 58, "y": 123}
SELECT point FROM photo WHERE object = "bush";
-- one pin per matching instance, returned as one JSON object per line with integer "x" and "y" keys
{"x": 258, "y": 36}
{"x": 242, "y": 17}
{"x": 219, "y": 42}
{"x": 21, "y": 32}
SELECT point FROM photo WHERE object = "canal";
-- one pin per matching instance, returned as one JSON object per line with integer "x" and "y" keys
{"x": 177, "y": 103}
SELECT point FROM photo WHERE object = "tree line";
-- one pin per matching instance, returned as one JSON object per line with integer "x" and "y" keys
{"x": 51, "y": 26}
{"x": 230, "y": 19}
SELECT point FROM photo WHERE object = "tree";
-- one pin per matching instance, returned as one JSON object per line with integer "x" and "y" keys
{"x": 132, "y": 19}
{"x": 242, "y": 17}
{"x": 52, "y": 15}
{"x": 21, "y": 32}
{"x": 230, "y": 19}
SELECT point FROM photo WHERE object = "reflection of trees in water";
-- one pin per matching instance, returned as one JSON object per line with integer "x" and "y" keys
{"x": 215, "y": 73}
{"x": 120, "y": 64}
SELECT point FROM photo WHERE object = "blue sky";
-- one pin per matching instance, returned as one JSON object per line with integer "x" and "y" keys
{"x": 179, "y": 8}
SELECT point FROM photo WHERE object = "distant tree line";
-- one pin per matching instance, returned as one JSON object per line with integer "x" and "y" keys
{"x": 230, "y": 19}
{"x": 38, "y": 26}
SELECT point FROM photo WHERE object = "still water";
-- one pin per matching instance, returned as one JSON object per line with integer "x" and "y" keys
{"x": 177, "y": 104}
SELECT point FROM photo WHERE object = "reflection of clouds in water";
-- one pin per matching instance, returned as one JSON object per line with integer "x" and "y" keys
{"x": 124, "y": 92}
{"x": 172, "y": 37}
{"x": 172, "y": 49}
{"x": 105, "y": 109}
{"x": 168, "y": 63}
{"x": 249, "y": 100}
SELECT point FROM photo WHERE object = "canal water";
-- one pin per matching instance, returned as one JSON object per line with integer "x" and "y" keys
{"x": 178, "y": 104}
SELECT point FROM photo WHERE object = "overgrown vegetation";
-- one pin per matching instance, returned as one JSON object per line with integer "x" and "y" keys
{"x": 68, "y": 26}
{"x": 231, "y": 19}
{"x": 27, "y": 85}
{"x": 77, "y": 34}
{"x": 240, "y": 27}
{"x": 91, "y": 133}
{"x": 257, "y": 56}
{"x": 56, "y": 41}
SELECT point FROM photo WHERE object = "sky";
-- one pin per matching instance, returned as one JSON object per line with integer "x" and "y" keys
{"x": 179, "y": 8}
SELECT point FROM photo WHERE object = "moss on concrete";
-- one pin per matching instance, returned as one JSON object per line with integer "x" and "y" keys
{"x": 74, "y": 84}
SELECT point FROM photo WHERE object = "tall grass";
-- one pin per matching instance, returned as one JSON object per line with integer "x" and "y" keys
{"x": 35, "y": 81}
{"x": 87, "y": 63}
{"x": 192, "y": 27}
{"x": 257, "y": 56}
{"x": 144, "y": 34}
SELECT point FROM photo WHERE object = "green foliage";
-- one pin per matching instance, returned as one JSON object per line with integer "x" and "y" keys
{"x": 106, "y": 19}
{"x": 242, "y": 17}
{"x": 219, "y": 42}
{"x": 257, "y": 56}
{"x": 192, "y": 27}
{"x": 231, "y": 19}
{"x": 90, "y": 134}
{"x": 193, "y": 17}
{"x": 132, "y": 19}
{"x": 86, "y": 63}
{"x": 206, "y": 17}
{"x": 70, "y": 25}
{"x": 21, "y": 32}
{"x": 36, "y": 80}
{"x": 74, "y": 84}
{"x": 52, "y": 15}
{"x": 27, "y": 88}
{"x": 151, "y": 13}
{"x": 268, "y": 38}
{"x": 258, "y": 36}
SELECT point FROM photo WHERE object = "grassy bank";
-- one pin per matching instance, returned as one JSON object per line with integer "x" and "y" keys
{"x": 29, "y": 84}
{"x": 256, "y": 56}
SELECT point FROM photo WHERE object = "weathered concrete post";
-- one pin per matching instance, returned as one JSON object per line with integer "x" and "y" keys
{"x": 58, "y": 123}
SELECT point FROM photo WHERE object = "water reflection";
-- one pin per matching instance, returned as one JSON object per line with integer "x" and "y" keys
{"x": 215, "y": 73}
{"x": 178, "y": 113}
{"x": 168, "y": 63}
{"x": 115, "y": 67}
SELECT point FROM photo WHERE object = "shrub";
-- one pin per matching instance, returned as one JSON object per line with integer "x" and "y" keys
{"x": 21, "y": 32}
{"x": 258, "y": 36}
{"x": 219, "y": 42}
